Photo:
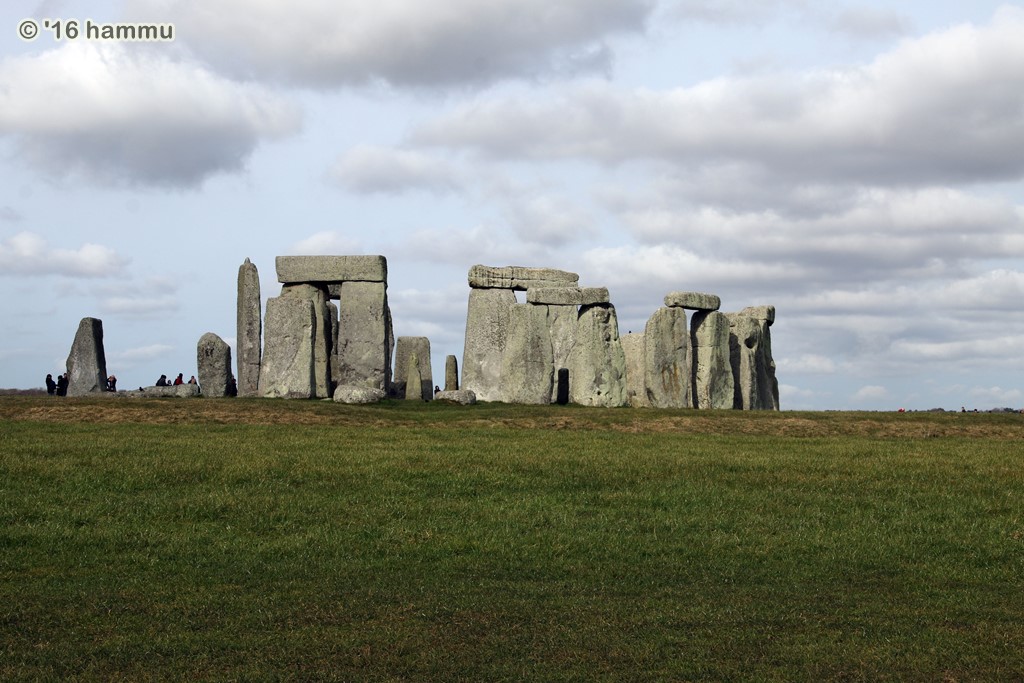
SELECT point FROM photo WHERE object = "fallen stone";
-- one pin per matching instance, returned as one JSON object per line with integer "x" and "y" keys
{"x": 519, "y": 278}
{"x": 287, "y": 370}
{"x": 351, "y": 394}
{"x": 486, "y": 333}
{"x": 323, "y": 345}
{"x": 463, "y": 397}
{"x": 249, "y": 331}
{"x": 213, "y": 360}
{"x": 451, "y": 374}
{"x": 633, "y": 349}
{"x": 713, "y": 386}
{"x": 526, "y": 367}
{"x": 697, "y": 301}
{"x": 364, "y": 335}
{"x": 668, "y": 377}
{"x": 87, "y": 363}
{"x": 179, "y": 391}
{"x": 331, "y": 269}
{"x": 405, "y": 349}
{"x": 597, "y": 364}
{"x": 567, "y": 296}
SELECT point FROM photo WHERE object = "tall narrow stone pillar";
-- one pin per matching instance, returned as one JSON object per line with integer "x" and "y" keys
{"x": 486, "y": 333}
{"x": 364, "y": 335}
{"x": 87, "y": 363}
{"x": 249, "y": 330}
{"x": 667, "y": 375}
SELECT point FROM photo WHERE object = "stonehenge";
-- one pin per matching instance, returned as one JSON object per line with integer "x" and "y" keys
{"x": 329, "y": 335}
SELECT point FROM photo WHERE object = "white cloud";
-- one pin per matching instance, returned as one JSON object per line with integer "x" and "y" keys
{"x": 139, "y": 305}
{"x": 939, "y": 109}
{"x": 131, "y": 357}
{"x": 111, "y": 114}
{"x": 325, "y": 43}
{"x": 326, "y": 242}
{"x": 870, "y": 393}
{"x": 369, "y": 169}
{"x": 28, "y": 254}
{"x": 807, "y": 364}
{"x": 996, "y": 397}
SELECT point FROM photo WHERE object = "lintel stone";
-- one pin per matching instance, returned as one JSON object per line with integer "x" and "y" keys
{"x": 567, "y": 296}
{"x": 519, "y": 278}
{"x": 293, "y": 269}
{"x": 697, "y": 301}
{"x": 765, "y": 313}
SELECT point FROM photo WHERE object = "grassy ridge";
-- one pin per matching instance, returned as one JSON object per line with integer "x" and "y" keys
{"x": 412, "y": 542}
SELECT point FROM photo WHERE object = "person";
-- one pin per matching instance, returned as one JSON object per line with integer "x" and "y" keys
{"x": 179, "y": 379}
{"x": 51, "y": 386}
{"x": 162, "y": 382}
{"x": 232, "y": 388}
{"x": 112, "y": 383}
{"x": 62, "y": 384}
{"x": 192, "y": 380}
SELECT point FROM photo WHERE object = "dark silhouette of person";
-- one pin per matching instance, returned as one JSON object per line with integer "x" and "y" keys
{"x": 112, "y": 383}
{"x": 179, "y": 380}
{"x": 51, "y": 386}
{"x": 62, "y": 384}
{"x": 192, "y": 380}
{"x": 162, "y": 382}
{"x": 232, "y": 388}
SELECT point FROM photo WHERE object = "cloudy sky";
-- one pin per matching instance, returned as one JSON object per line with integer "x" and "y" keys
{"x": 858, "y": 164}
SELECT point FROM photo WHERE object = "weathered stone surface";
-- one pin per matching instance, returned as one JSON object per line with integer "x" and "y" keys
{"x": 519, "y": 278}
{"x": 413, "y": 378}
{"x": 460, "y": 396}
{"x": 287, "y": 370}
{"x": 636, "y": 392}
{"x": 213, "y": 360}
{"x": 323, "y": 344}
{"x": 562, "y": 322}
{"x": 697, "y": 301}
{"x": 668, "y": 377}
{"x": 249, "y": 331}
{"x": 332, "y": 314}
{"x": 763, "y": 313}
{"x": 351, "y": 394}
{"x": 597, "y": 364}
{"x": 405, "y": 349}
{"x": 567, "y": 296}
{"x": 486, "y": 332}
{"x": 87, "y": 362}
{"x": 331, "y": 269}
{"x": 179, "y": 391}
{"x": 712, "y": 366}
{"x": 752, "y": 364}
{"x": 527, "y": 363}
{"x": 364, "y": 334}
{"x": 451, "y": 374}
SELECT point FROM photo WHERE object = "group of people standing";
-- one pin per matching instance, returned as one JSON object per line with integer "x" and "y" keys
{"x": 59, "y": 387}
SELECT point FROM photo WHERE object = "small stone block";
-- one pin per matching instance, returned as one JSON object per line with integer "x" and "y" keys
{"x": 696, "y": 301}
{"x": 567, "y": 296}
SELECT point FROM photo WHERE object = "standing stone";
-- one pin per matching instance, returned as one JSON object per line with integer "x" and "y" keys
{"x": 526, "y": 368}
{"x": 249, "y": 329}
{"x": 213, "y": 359}
{"x": 712, "y": 365}
{"x": 667, "y": 360}
{"x": 597, "y": 364}
{"x": 364, "y": 335}
{"x": 406, "y": 349}
{"x": 87, "y": 362}
{"x": 451, "y": 374}
{"x": 751, "y": 358}
{"x": 287, "y": 370}
{"x": 487, "y": 323}
{"x": 413, "y": 377}
{"x": 562, "y": 323}
{"x": 636, "y": 391}
{"x": 322, "y": 342}
{"x": 332, "y": 314}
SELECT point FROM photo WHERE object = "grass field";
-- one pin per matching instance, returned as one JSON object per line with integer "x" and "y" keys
{"x": 273, "y": 540}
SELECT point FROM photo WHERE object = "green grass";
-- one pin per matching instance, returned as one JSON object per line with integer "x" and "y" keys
{"x": 413, "y": 542}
